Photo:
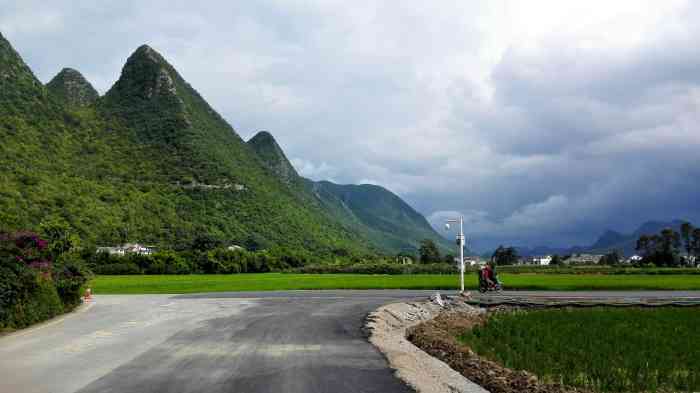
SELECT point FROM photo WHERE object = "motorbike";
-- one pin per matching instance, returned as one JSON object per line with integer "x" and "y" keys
{"x": 485, "y": 286}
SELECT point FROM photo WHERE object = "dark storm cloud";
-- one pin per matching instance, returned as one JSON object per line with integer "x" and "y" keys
{"x": 542, "y": 123}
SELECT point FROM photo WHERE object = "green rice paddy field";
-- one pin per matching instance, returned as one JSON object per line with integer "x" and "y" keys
{"x": 284, "y": 281}
{"x": 601, "y": 349}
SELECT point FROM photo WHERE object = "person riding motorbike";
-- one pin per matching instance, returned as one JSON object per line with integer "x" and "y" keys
{"x": 488, "y": 278}
{"x": 493, "y": 274}
{"x": 486, "y": 275}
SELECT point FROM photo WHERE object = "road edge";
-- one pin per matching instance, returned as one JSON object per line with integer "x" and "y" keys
{"x": 84, "y": 306}
{"x": 386, "y": 328}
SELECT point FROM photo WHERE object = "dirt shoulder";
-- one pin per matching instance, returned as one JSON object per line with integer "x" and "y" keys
{"x": 437, "y": 337}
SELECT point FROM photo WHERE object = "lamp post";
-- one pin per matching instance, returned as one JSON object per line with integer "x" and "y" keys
{"x": 460, "y": 241}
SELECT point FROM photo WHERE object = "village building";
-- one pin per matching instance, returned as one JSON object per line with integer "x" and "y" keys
{"x": 634, "y": 259}
{"x": 404, "y": 260}
{"x": 584, "y": 259}
{"x": 128, "y": 248}
{"x": 472, "y": 261}
{"x": 542, "y": 260}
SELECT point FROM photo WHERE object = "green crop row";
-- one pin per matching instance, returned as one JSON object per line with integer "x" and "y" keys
{"x": 284, "y": 281}
{"x": 602, "y": 349}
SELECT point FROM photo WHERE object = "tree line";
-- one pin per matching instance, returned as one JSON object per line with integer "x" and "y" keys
{"x": 664, "y": 248}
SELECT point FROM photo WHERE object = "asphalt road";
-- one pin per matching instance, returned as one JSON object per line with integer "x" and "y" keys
{"x": 292, "y": 341}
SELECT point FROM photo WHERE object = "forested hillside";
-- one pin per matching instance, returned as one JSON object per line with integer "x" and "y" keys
{"x": 149, "y": 162}
{"x": 372, "y": 211}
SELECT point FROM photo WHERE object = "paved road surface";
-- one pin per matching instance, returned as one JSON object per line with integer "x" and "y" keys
{"x": 292, "y": 341}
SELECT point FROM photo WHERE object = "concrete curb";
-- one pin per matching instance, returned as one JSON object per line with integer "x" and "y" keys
{"x": 387, "y": 328}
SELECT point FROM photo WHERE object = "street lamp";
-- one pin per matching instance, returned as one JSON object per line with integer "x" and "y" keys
{"x": 460, "y": 241}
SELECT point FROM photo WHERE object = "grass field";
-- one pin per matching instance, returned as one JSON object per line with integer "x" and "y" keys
{"x": 281, "y": 281}
{"x": 603, "y": 349}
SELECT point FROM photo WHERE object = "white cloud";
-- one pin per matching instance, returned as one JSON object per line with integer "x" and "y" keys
{"x": 308, "y": 169}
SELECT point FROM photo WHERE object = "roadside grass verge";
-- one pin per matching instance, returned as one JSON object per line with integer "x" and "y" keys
{"x": 173, "y": 284}
{"x": 602, "y": 349}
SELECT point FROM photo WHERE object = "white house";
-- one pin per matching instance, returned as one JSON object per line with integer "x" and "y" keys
{"x": 472, "y": 261}
{"x": 634, "y": 259}
{"x": 542, "y": 260}
{"x": 111, "y": 250}
{"x": 584, "y": 259}
{"x": 128, "y": 248}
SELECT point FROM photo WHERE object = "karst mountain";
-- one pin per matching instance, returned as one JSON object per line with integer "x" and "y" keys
{"x": 151, "y": 161}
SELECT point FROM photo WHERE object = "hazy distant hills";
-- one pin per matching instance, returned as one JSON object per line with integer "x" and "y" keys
{"x": 151, "y": 161}
{"x": 608, "y": 241}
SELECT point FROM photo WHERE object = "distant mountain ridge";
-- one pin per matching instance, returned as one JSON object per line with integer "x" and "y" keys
{"x": 371, "y": 210}
{"x": 608, "y": 241}
{"x": 151, "y": 161}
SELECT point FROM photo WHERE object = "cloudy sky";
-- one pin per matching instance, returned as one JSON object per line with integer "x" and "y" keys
{"x": 542, "y": 122}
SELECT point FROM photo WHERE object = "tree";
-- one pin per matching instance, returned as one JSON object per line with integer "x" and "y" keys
{"x": 610, "y": 259}
{"x": 691, "y": 242}
{"x": 429, "y": 252}
{"x": 205, "y": 242}
{"x": 661, "y": 249}
{"x": 256, "y": 243}
{"x": 59, "y": 236}
{"x": 686, "y": 234}
{"x": 644, "y": 246}
{"x": 556, "y": 260}
{"x": 505, "y": 256}
{"x": 669, "y": 245}
{"x": 695, "y": 244}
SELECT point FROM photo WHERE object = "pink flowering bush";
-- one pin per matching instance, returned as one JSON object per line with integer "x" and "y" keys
{"x": 32, "y": 287}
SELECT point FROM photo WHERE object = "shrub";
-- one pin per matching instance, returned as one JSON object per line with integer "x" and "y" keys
{"x": 168, "y": 262}
{"x": 32, "y": 287}
{"x": 39, "y": 304}
{"x": 70, "y": 274}
{"x": 117, "y": 269}
{"x": 27, "y": 291}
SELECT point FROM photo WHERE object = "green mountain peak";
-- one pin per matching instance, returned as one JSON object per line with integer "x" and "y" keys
{"x": 271, "y": 154}
{"x": 152, "y": 162}
{"x": 71, "y": 88}
{"x": 165, "y": 112}
{"x": 20, "y": 90}
{"x": 145, "y": 76}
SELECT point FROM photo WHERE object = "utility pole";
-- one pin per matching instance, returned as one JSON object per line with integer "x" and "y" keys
{"x": 460, "y": 242}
